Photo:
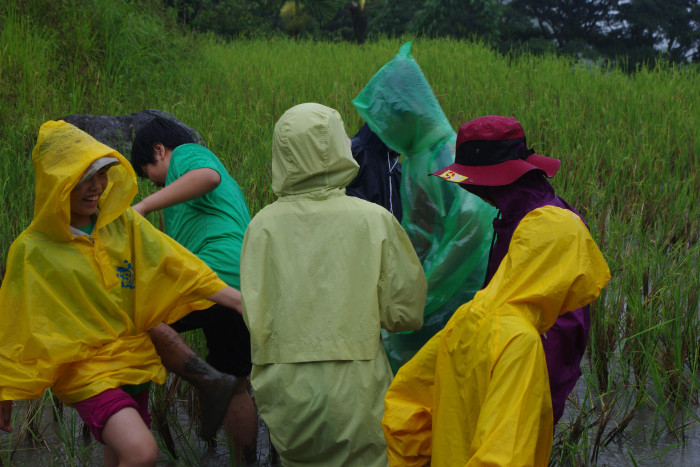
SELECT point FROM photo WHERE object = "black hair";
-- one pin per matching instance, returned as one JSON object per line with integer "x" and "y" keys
{"x": 169, "y": 133}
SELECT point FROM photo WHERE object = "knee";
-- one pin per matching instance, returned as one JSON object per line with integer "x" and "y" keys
{"x": 142, "y": 454}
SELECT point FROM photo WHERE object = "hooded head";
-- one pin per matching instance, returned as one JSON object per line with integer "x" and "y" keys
{"x": 400, "y": 107}
{"x": 310, "y": 151}
{"x": 553, "y": 266}
{"x": 62, "y": 156}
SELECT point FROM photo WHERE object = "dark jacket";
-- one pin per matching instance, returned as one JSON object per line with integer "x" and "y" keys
{"x": 380, "y": 172}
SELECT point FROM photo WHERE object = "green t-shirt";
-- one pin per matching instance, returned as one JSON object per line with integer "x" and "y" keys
{"x": 88, "y": 228}
{"x": 211, "y": 226}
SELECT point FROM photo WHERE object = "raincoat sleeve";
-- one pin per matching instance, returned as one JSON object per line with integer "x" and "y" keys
{"x": 175, "y": 281}
{"x": 408, "y": 409}
{"x": 17, "y": 381}
{"x": 402, "y": 286}
{"x": 516, "y": 415}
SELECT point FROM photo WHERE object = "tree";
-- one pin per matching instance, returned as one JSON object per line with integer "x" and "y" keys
{"x": 230, "y": 18}
{"x": 317, "y": 18}
{"x": 295, "y": 19}
{"x": 359, "y": 20}
{"x": 391, "y": 18}
{"x": 670, "y": 26}
{"x": 323, "y": 10}
{"x": 459, "y": 18}
{"x": 575, "y": 26}
{"x": 635, "y": 30}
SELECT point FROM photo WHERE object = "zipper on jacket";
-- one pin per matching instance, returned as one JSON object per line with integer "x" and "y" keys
{"x": 391, "y": 190}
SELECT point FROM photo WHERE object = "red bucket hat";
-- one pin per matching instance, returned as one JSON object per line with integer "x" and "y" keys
{"x": 491, "y": 151}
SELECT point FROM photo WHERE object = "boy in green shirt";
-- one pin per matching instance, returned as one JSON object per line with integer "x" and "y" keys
{"x": 205, "y": 211}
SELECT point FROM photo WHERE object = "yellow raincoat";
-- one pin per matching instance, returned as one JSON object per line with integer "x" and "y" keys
{"x": 75, "y": 309}
{"x": 321, "y": 274}
{"x": 478, "y": 393}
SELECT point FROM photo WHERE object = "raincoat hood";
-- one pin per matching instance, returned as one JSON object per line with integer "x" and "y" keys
{"x": 61, "y": 155}
{"x": 310, "y": 151}
{"x": 401, "y": 108}
{"x": 556, "y": 270}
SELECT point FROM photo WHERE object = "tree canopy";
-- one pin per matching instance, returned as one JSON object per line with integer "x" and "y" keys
{"x": 628, "y": 31}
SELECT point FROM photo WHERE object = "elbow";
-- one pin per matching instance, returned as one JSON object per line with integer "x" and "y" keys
{"x": 213, "y": 179}
{"x": 407, "y": 322}
{"x": 415, "y": 324}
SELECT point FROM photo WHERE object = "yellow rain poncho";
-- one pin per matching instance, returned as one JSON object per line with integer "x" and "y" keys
{"x": 321, "y": 274}
{"x": 75, "y": 309}
{"x": 478, "y": 393}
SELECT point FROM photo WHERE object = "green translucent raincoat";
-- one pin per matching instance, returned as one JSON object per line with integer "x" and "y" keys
{"x": 75, "y": 309}
{"x": 321, "y": 274}
{"x": 478, "y": 392}
{"x": 449, "y": 227}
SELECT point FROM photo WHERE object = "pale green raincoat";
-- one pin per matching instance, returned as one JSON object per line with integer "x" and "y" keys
{"x": 478, "y": 392}
{"x": 75, "y": 309}
{"x": 321, "y": 274}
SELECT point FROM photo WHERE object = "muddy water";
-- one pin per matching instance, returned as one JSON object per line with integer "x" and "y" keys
{"x": 51, "y": 450}
{"x": 667, "y": 451}
{"x": 633, "y": 448}
{"x": 641, "y": 444}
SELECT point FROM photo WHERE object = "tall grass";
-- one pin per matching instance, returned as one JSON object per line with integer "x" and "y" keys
{"x": 628, "y": 145}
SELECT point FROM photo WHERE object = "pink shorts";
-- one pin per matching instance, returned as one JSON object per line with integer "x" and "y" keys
{"x": 96, "y": 410}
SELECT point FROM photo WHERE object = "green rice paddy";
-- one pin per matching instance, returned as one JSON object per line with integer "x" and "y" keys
{"x": 628, "y": 146}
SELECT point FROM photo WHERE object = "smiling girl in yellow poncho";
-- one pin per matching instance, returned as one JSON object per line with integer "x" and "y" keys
{"x": 76, "y": 307}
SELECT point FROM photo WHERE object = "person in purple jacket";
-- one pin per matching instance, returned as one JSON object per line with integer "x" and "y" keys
{"x": 493, "y": 162}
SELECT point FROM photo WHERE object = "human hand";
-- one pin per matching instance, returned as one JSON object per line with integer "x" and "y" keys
{"x": 5, "y": 416}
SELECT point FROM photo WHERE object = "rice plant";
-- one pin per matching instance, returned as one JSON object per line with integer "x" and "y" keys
{"x": 630, "y": 164}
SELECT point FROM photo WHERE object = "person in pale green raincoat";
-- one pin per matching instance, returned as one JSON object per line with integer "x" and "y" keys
{"x": 321, "y": 274}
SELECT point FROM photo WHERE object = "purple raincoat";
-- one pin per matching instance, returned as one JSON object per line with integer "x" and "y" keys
{"x": 565, "y": 342}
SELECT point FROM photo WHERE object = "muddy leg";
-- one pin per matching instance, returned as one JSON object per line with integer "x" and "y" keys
{"x": 241, "y": 425}
{"x": 215, "y": 389}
